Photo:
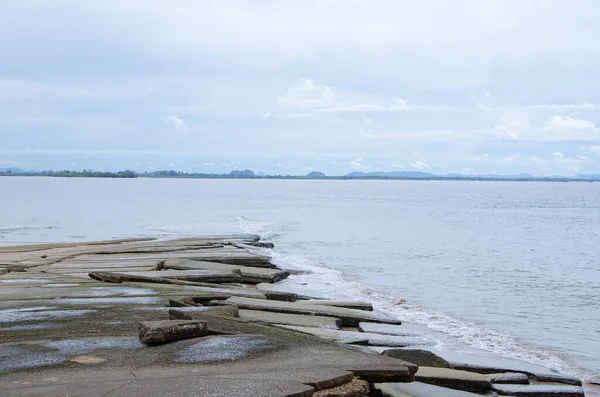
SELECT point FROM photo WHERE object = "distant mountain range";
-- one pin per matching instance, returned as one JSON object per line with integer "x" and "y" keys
{"x": 427, "y": 175}
{"x": 249, "y": 174}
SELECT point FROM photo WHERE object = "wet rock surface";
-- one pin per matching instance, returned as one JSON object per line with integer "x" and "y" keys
{"x": 224, "y": 348}
{"x": 419, "y": 357}
{"x": 418, "y": 389}
{"x": 68, "y": 324}
{"x": 69, "y": 317}
{"x": 453, "y": 379}
{"x": 290, "y": 319}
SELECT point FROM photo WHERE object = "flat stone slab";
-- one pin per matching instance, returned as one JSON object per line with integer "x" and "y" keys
{"x": 541, "y": 377}
{"x": 318, "y": 379}
{"x": 387, "y": 329}
{"x": 395, "y": 340}
{"x": 556, "y": 378}
{"x": 539, "y": 390}
{"x": 419, "y": 389}
{"x": 157, "y": 332}
{"x": 250, "y": 275}
{"x": 337, "y": 336}
{"x": 419, "y": 357}
{"x": 100, "y": 262}
{"x": 349, "y": 317}
{"x": 298, "y": 290}
{"x": 353, "y": 337}
{"x": 190, "y": 313}
{"x": 453, "y": 379}
{"x": 291, "y": 319}
{"x": 514, "y": 378}
{"x": 493, "y": 364}
{"x": 232, "y": 257}
{"x": 207, "y": 276}
{"x": 193, "y": 289}
{"x": 348, "y": 305}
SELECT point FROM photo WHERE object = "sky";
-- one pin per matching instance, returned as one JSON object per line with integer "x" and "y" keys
{"x": 290, "y": 87}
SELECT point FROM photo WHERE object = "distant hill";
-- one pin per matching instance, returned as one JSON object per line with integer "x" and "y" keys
{"x": 13, "y": 170}
{"x": 316, "y": 174}
{"x": 588, "y": 177}
{"x": 497, "y": 176}
{"x": 244, "y": 173}
{"x": 489, "y": 176}
{"x": 406, "y": 174}
{"x": 427, "y": 175}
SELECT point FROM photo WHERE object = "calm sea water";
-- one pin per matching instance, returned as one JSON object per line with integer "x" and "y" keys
{"x": 505, "y": 267}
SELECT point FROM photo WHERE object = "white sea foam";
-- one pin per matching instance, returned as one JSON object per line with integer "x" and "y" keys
{"x": 261, "y": 228}
{"x": 449, "y": 333}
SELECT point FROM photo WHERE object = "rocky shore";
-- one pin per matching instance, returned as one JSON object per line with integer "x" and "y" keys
{"x": 145, "y": 317}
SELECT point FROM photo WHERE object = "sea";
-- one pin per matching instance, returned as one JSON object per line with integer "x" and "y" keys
{"x": 509, "y": 269}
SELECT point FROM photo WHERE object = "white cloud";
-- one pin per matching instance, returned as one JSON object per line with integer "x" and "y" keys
{"x": 566, "y": 128}
{"x": 569, "y": 123}
{"x": 208, "y": 164}
{"x": 427, "y": 135}
{"x": 358, "y": 165}
{"x": 307, "y": 95}
{"x": 566, "y": 106}
{"x": 518, "y": 124}
{"x": 420, "y": 165}
{"x": 520, "y": 161}
{"x": 175, "y": 122}
{"x": 399, "y": 166}
{"x": 595, "y": 149}
{"x": 514, "y": 124}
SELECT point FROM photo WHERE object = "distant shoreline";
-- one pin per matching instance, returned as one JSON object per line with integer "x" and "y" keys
{"x": 109, "y": 175}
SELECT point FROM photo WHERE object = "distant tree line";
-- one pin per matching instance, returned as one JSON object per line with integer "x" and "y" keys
{"x": 73, "y": 174}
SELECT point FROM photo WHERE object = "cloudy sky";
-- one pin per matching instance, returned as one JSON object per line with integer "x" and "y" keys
{"x": 288, "y": 87}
